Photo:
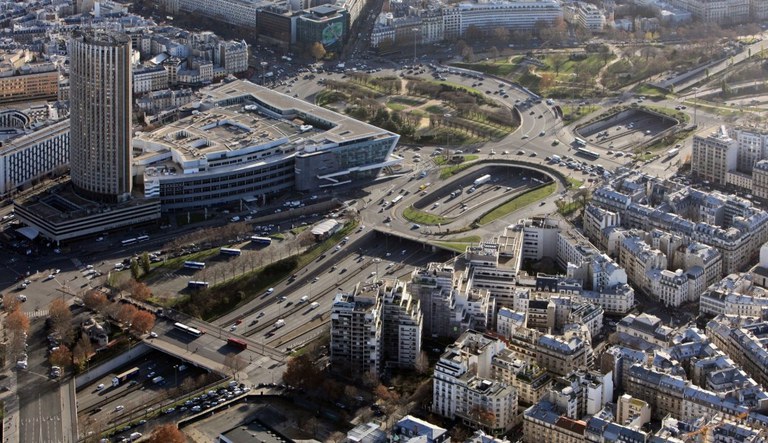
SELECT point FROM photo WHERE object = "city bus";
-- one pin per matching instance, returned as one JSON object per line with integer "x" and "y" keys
{"x": 261, "y": 240}
{"x": 237, "y": 343}
{"x": 587, "y": 153}
{"x": 194, "y": 265}
{"x": 142, "y": 238}
{"x": 192, "y": 284}
{"x": 189, "y": 330}
{"x": 129, "y": 241}
{"x": 229, "y": 251}
{"x": 579, "y": 142}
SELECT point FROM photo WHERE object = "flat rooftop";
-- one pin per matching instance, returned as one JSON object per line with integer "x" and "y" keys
{"x": 60, "y": 203}
{"x": 241, "y": 118}
{"x": 343, "y": 128}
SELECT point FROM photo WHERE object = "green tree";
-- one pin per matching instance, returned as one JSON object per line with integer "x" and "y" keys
{"x": 135, "y": 272}
{"x": 145, "y": 263}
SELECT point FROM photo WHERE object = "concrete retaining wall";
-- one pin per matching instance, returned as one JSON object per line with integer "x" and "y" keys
{"x": 109, "y": 366}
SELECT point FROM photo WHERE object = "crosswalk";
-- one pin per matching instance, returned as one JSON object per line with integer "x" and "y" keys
{"x": 37, "y": 313}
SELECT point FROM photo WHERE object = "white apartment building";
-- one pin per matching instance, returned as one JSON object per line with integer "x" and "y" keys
{"x": 487, "y": 15}
{"x": 647, "y": 328}
{"x": 401, "y": 326}
{"x": 236, "y": 12}
{"x": 752, "y": 147}
{"x": 434, "y": 287}
{"x": 714, "y": 155}
{"x": 509, "y": 321}
{"x": 724, "y": 12}
{"x": 590, "y": 17}
{"x": 670, "y": 288}
{"x": 736, "y": 295}
{"x": 356, "y": 331}
{"x": 149, "y": 79}
{"x": 463, "y": 384}
{"x": 31, "y": 153}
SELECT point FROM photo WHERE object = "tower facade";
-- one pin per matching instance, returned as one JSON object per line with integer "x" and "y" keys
{"x": 100, "y": 115}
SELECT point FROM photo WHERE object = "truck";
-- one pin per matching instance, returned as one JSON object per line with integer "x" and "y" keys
{"x": 304, "y": 299}
{"x": 279, "y": 324}
{"x": 673, "y": 152}
{"x": 482, "y": 180}
{"x": 314, "y": 305}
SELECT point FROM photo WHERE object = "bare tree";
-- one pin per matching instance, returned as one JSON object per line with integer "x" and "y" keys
{"x": 235, "y": 363}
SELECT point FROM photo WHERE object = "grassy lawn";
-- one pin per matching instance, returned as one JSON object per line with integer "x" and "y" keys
{"x": 422, "y": 217}
{"x": 299, "y": 229}
{"x": 457, "y": 86}
{"x": 396, "y": 106}
{"x": 467, "y": 239}
{"x": 450, "y": 171}
{"x": 502, "y": 68}
{"x": 573, "y": 113}
{"x": 410, "y": 101}
{"x": 569, "y": 208}
{"x": 681, "y": 116}
{"x": 456, "y": 246}
{"x": 280, "y": 237}
{"x": 442, "y": 160}
{"x": 518, "y": 202}
{"x": 435, "y": 109}
{"x": 650, "y": 91}
{"x": 574, "y": 183}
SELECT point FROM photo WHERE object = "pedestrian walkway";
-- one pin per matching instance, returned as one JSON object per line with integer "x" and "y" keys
{"x": 11, "y": 409}
{"x": 37, "y": 313}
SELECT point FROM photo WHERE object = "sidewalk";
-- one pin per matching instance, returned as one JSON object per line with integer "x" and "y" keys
{"x": 11, "y": 410}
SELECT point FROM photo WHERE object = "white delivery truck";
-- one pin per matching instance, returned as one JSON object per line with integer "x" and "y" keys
{"x": 279, "y": 324}
{"x": 482, "y": 180}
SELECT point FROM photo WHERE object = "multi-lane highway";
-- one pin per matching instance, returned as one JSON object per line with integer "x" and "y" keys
{"x": 362, "y": 257}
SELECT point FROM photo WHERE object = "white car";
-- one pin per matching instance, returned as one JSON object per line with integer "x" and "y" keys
{"x": 153, "y": 334}
{"x": 100, "y": 387}
{"x": 119, "y": 408}
{"x": 270, "y": 290}
{"x": 233, "y": 328}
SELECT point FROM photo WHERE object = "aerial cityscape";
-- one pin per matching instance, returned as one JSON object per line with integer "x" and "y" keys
{"x": 384, "y": 221}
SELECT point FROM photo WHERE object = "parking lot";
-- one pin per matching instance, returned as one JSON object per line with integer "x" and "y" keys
{"x": 623, "y": 132}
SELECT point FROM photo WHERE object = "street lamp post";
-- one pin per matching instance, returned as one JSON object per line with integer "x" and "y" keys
{"x": 415, "y": 35}
{"x": 695, "y": 106}
{"x": 263, "y": 72}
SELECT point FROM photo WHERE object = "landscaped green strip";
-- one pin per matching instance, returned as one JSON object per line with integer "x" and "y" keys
{"x": 177, "y": 262}
{"x": 425, "y": 218}
{"x": 518, "y": 202}
{"x": 218, "y": 300}
{"x": 468, "y": 239}
{"x": 456, "y": 246}
{"x": 299, "y": 229}
{"x": 574, "y": 183}
{"x": 450, "y": 171}
{"x": 441, "y": 160}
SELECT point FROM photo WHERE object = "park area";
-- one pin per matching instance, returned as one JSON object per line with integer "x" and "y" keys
{"x": 420, "y": 110}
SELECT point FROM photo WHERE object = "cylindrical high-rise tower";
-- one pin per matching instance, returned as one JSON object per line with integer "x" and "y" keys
{"x": 100, "y": 115}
